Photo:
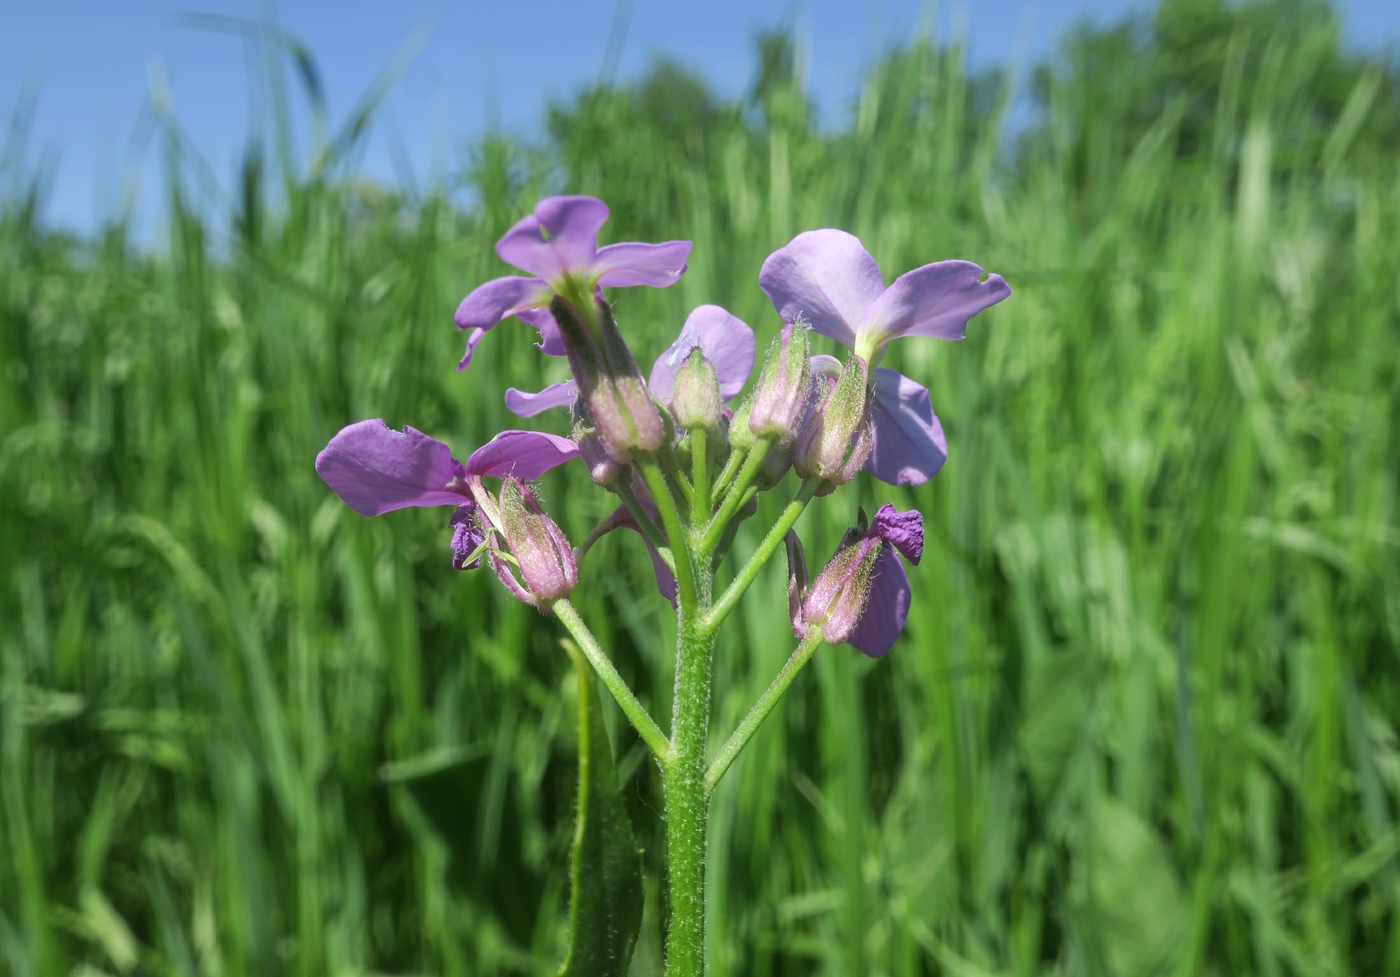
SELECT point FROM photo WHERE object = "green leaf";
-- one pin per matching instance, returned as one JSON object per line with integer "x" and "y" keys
{"x": 605, "y": 908}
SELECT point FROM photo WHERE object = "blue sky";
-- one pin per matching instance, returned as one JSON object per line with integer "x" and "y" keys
{"x": 92, "y": 64}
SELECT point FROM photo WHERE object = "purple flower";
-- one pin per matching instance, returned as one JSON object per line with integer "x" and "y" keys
{"x": 862, "y": 597}
{"x": 558, "y": 245}
{"x": 830, "y": 280}
{"x": 725, "y": 339}
{"x": 376, "y": 470}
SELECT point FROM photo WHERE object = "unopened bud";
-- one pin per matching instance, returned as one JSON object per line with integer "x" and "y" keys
{"x": 602, "y": 467}
{"x": 610, "y": 387}
{"x": 837, "y": 598}
{"x": 781, "y": 392}
{"x": 543, "y": 554}
{"x": 837, "y": 439}
{"x": 697, "y": 404}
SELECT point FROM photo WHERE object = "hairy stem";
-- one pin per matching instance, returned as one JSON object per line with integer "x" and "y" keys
{"x": 657, "y": 484}
{"x": 633, "y": 709}
{"x": 700, "y": 478}
{"x": 762, "y": 555}
{"x": 741, "y": 736}
{"x": 734, "y": 495}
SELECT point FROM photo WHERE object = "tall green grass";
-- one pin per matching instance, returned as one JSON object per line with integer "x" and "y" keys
{"x": 1144, "y": 717}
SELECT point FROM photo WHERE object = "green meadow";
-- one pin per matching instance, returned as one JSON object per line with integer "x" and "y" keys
{"x": 1143, "y": 720}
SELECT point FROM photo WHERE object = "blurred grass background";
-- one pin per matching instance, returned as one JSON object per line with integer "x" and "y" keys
{"x": 1144, "y": 717}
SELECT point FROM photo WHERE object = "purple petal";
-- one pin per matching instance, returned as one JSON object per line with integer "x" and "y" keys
{"x": 376, "y": 470}
{"x": 935, "y": 300}
{"x": 825, "y": 366}
{"x": 622, "y": 518}
{"x": 905, "y": 530}
{"x": 493, "y": 301}
{"x": 525, "y": 454}
{"x": 551, "y": 340}
{"x": 467, "y": 535}
{"x": 659, "y": 265}
{"x": 724, "y": 339}
{"x": 825, "y": 276}
{"x": 887, "y": 607}
{"x": 909, "y": 445}
{"x": 473, "y": 339}
{"x": 528, "y": 404}
{"x": 561, "y": 236}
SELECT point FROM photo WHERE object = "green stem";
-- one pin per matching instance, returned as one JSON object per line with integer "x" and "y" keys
{"x": 734, "y": 495}
{"x": 687, "y": 799}
{"x": 731, "y": 468}
{"x": 645, "y": 522}
{"x": 700, "y": 478}
{"x": 746, "y": 576}
{"x": 680, "y": 540}
{"x": 741, "y": 736}
{"x": 646, "y": 726}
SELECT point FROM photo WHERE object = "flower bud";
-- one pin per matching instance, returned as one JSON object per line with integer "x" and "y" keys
{"x": 610, "y": 387}
{"x": 837, "y": 598}
{"x": 602, "y": 467}
{"x": 543, "y": 554}
{"x": 781, "y": 392}
{"x": 837, "y": 438}
{"x": 697, "y": 404}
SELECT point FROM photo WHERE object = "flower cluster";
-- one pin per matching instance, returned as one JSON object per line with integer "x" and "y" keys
{"x": 682, "y": 448}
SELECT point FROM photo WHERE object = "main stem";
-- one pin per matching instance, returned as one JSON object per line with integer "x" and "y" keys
{"x": 687, "y": 795}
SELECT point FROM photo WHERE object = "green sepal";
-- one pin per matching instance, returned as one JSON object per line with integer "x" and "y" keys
{"x": 605, "y": 906}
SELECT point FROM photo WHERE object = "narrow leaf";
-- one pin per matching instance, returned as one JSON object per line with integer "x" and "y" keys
{"x": 605, "y": 907}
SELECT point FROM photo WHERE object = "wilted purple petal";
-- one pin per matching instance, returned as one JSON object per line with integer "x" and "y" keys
{"x": 905, "y": 530}
{"x": 727, "y": 342}
{"x": 887, "y": 607}
{"x": 555, "y": 395}
{"x": 493, "y": 301}
{"x": 659, "y": 265}
{"x": 467, "y": 536}
{"x": 825, "y": 276}
{"x": 524, "y": 454}
{"x": 551, "y": 339}
{"x": 376, "y": 470}
{"x": 622, "y": 518}
{"x": 909, "y": 446}
{"x": 561, "y": 236}
{"x": 935, "y": 300}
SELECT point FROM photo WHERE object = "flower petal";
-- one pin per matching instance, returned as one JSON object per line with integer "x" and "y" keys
{"x": 825, "y": 276}
{"x": 659, "y": 265}
{"x": 727, "y": 342}
{"x": 467, "y": 536}
{"x": 376, "y": 470}
{"x": 551, "y": 339}
{"x": 622, "y": 518}
{"x": 524, "y": 454}
{"x": 909, "y": 444}
{"x": 887, "y": 607}
{"x": 561, "y": 236}
{"x": 493, "y": 301}
{"x": 528, "y": 405}
{"x": 905, "y": 530}
{"x": 935, "y": 300}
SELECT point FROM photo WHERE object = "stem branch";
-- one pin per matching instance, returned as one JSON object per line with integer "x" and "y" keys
{"x": 746, "y": 576}
{"x": 641, "y": 719}
{"x": 741, "y": 736}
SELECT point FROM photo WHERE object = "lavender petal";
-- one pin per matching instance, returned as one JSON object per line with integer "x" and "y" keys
{"x": 935, "y": 300}
{"x": 727, "y": 342}
{"x": 887, "y": 607}
{"x": 375, "y": 469}
{"x": 558, "y": 238}
{"x": 658, "y": 265}
{"x": 524, "y": 454}
{"x": 825, "y": 276}
{"x": 909, "y": 446}
{"x": 528, "y": 405}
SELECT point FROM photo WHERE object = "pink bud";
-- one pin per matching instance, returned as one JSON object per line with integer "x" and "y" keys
{"x": 837, "y": 598}
{"x": 543, "y": 554}
{"x": 781, "y": 393}
{"x": 837, "y": 439}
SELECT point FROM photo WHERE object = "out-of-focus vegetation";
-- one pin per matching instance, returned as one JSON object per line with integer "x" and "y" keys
{"x": 1144, "y": 717}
